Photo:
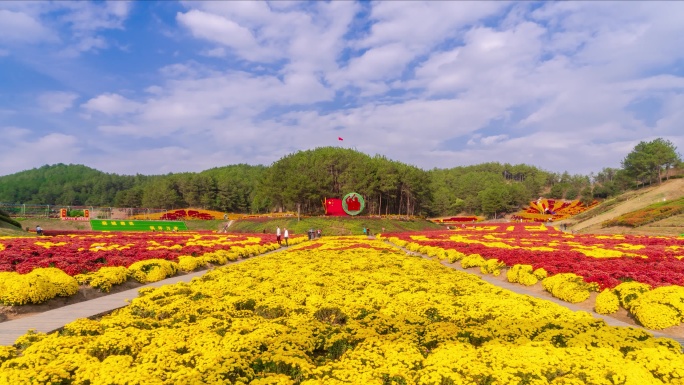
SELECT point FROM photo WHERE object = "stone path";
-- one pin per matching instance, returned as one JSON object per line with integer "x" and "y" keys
{"x": 55, "y": 319}
{"x": 52, "y": 320}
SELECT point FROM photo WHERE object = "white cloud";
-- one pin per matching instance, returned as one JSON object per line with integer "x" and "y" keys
{"x": 11, "y": 133}
{"x": 215, "y": 52}
{"x": 257, "y": 31}
{"x": 58, "y": 101}
{"x": 421, "y": 25}
{"x": 87, "y": 17}
{"x": 522, "y": 63}
{"x": 72, "y": 27}
{"x": 110, "y": 104}
{"x": 224, "y": 31}
{"x": 378, "y": 63}
{"x": 428, "y": 83}
{"x": 85, "y": 44}
{"x": 20, "y": 151}
{"x": 489, "y": 140}
{"x": 190, "y": 104}
{"x": 653, "y": 83}
{"x": 19, "y": 27}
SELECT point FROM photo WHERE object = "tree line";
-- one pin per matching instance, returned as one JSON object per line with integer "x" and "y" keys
{"x": 301, "y": 181}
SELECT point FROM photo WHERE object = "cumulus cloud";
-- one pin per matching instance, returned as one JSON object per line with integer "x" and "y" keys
{"x": 110, "y": 104}
{"x": 224, "y": 31}
{"x": 21, "y": 150}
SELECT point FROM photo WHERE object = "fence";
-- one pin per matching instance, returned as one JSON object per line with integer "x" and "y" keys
{"x": 25, "y": 210}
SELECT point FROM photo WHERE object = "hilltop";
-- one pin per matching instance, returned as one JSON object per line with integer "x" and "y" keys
{"x": 299, "y": 182}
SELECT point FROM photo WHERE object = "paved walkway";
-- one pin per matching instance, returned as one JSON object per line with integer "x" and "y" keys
{"x": 55, "y": 319}
{"x": 52, "y": 320}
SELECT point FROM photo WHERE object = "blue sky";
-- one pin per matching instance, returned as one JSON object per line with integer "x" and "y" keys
{"x": 156, "y": 87}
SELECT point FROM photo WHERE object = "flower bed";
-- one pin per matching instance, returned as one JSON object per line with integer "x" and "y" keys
{"x": 338, "y": 314}
{"x": 543, "y": 210}
{"x": 84, "y": 255}
{"x": 599, "y": 261}
{"x": 457, "y": 220}
{"x": 648, "y": 214}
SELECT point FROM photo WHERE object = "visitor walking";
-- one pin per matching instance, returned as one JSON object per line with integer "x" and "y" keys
{"x": 286, "y": 235}
{"x": 278, "y": 235}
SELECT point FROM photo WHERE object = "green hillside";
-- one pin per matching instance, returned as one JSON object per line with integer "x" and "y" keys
{"x": 299, "y": 182}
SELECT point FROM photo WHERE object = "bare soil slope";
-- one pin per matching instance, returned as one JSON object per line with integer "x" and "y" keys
{"x": 636, "y": 200}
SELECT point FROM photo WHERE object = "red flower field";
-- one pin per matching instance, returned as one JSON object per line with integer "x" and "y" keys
{"x": 77, "y": 254}
{"x": 605, "y": 260}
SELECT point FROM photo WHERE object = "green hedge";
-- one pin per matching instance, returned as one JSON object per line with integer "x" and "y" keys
{"x": 128, "y": 225}
{"x": 7, "y": 219}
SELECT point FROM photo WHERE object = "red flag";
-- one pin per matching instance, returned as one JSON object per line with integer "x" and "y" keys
{"x": 338, "y": 138}
{"x": 333, "y": 207}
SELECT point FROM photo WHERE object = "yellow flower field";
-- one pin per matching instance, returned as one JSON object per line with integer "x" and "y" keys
{"x": 341, "y": 311}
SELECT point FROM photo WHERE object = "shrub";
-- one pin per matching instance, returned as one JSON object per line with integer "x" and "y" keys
{"x": 37, "y": 286}
{"x": 152, "y": 270}
{"x": 7, "y": 352}
{"x": 540, "y": 273}
{"x": 629, "y": 291}
{"x": 472, "y": 260}
{"x": 568, "y": 287}
{"x": 492, "y": 266}
{"x": 331, "y": 315}
{"x": 7, "y": 219}
{"x": 220, "y": 257}
{"x": 104, "y": 278}
{"x": 189, "y": 263}
{"x": 659, "y": 308}
{"x": 454, "y": 255}
{"x": 607, "y": 302}
{"x": 522, "y": 274}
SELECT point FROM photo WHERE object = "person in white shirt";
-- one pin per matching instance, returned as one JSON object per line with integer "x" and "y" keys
{"x": 278, "y": 234}
{"x": 286, "y": 235}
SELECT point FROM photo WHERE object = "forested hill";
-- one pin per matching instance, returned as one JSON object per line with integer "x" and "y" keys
{"x": 302, "y": 180}
{"x": 64, "y": 184}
